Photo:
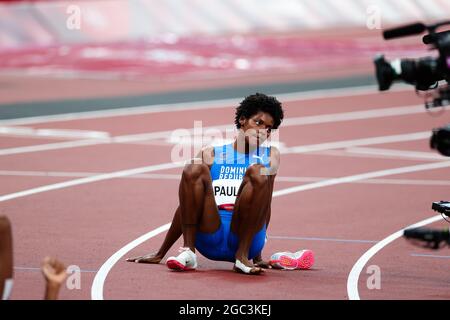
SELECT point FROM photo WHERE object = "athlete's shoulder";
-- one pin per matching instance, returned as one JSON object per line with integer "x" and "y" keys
{"x": 274, "y": 152}
{"x": 274, "y": 159}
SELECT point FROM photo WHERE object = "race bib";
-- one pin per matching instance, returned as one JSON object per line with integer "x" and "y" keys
{"x": 226, "y": 190}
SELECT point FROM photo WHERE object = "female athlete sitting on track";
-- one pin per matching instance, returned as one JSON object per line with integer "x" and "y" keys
{"x": 225, "y": 195}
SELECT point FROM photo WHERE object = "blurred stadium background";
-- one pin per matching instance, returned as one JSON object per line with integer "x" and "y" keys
{"x": 67, "y": 56}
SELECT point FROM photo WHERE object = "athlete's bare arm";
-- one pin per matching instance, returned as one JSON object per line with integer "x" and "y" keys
{"x": 206, "y": 155}
{"x": 6, "y": 253}
{"x": 55, "y": 274}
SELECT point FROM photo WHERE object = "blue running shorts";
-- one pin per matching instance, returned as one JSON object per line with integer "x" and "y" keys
{"x": 222, "y": 244}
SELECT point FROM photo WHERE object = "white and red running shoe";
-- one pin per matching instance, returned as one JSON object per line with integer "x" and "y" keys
{"x": 303, "y": 259}
{"x": 185, "y": 261}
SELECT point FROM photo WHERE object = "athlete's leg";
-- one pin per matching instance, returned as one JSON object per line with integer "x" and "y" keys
{"x": 171, "y": 237}
{"x": 6, "y": 253}
{"x": 251, "y": 210}
{"x": 197, "y": 212}
{"x": 198, "y": 209}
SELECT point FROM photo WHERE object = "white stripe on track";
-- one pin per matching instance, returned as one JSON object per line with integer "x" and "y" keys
{"x": 421, "y": 255}
{"x": 53, "y": 133}
{"x": 167, "y": 176}
{"x": 169, "y": 165}
{"x": 53, "y": 146}
{"x": 353, "y": 277}
{"x": 295, "y": 121}
{"x": 100, "y": 276}
{"x": 362, "y": 176}
{"x": 395, "y": 153}
{"x": 358, "y": 142}
{"x": 196, "y": 105}
{"x": 101, "y": 177}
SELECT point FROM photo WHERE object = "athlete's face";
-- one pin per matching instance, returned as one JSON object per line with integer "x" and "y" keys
{"x": 257, "y": 128}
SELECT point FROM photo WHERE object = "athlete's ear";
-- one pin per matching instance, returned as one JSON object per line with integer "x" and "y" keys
{"x": 242, "y": 121}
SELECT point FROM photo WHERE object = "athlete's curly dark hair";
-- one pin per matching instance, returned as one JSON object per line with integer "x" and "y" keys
{"x": 259, "y": 102}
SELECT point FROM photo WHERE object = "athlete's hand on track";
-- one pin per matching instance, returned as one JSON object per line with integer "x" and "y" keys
{"x": 148, "y": 258}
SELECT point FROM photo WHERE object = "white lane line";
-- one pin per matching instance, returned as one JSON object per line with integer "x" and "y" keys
{"x": 293, "y": 121}
{"x": 395, "y": 153}
{"x": 57, "y": 174}
{"x": 362, "y": 176}
{"x": 354, "y": 115}
{"x": 53, "y": 133}
{"x": 91, "y": 179}
{"x": 318, "y": 147}
{"x": 210, "y": 104}
{"x": 53, "y": 146}
{"x": 322, "y": 239}
{"x": 74, "y": 174}
{"x": 411, "y": 182}
{"x": 100, "y": 277}
{"x": 171, "y": 165}
{"x": 40, "y": 269}
{"x": 167, "y": 176}
{"x": 296, "y": 121}
{"x": 358, "y": 142}
{"x": 344, "y": 153}
{"x": 429, "y": 256}
{"x": 353, "y": 277}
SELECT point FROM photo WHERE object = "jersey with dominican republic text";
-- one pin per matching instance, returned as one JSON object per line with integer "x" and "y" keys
{"x": 228, "y": 170}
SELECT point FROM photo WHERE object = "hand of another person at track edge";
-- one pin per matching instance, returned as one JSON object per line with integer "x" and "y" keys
{"x": 54, "y": 271}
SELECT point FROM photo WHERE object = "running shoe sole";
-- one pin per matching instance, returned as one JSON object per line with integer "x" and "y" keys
{"x": 286, "y": 261}
{"x": 177, "y": 266}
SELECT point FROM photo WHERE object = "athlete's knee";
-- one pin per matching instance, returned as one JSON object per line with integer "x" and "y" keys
{"x": 256, "y": 174}
{"x": 194, "y": 171}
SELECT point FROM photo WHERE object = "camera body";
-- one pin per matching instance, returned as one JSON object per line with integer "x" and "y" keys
{"x": 442, "y": 207}
{"x": 432, "y": 238}
{"x": 424, "y": 73}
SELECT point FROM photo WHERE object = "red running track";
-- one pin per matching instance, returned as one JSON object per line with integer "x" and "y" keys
{"x": 85, "y": 225}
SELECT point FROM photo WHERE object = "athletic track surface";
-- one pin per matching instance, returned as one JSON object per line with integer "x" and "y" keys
{"x": 355, "y": 169}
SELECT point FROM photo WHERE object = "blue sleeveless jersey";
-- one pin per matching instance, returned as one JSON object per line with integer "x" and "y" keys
{"x": 228, "y": 170}
{"x": 227, "y": 173}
